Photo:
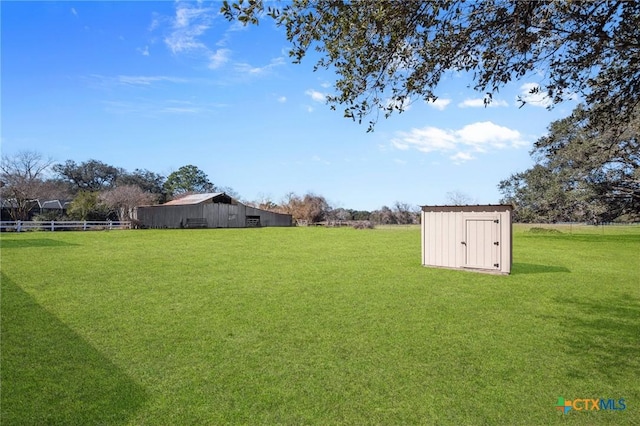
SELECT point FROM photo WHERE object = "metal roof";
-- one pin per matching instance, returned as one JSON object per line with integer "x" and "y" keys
{"x": 469, "y": 208}
{"x": 193, "y": 199}
{"x": 50, "y": 204}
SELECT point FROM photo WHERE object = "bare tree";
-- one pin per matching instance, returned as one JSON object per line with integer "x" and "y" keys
{"x": 21, "y": 177}
{"x": 405, "y": 213}
{"x": 124, "y": 199}
{"x": 384, "y": 216}
{"x": 459, "y": 198}
{"x": 311, "y": 208}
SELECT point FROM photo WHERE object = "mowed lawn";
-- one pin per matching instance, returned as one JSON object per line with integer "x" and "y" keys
{"x": 314, "y": 326}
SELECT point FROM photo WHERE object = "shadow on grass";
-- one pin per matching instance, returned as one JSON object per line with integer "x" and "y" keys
{"x": 604, "y": 334}
{"x": 532, "y": 268}
{"x": 38, "y": 242}
{"x": 50, "y": 375}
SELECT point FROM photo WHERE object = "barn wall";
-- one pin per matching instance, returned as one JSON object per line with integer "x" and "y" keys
{"x": 268, "y": 218}
{"x": 168, "y": 216}
{"x": 217, "y": 215}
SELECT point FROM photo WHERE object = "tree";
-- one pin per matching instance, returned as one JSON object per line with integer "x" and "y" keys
{"x": 21, "y": 179}
{"x": 384, "y": 216}
{"x": 310, "y": 208}
{"x": 188, "y": 179}
{"x": 581, "y": 173}
{"x": 147, "y": 181}
{"x": 405, "y": 213}
{"x": 385, "y": 53}
{"x": 92, "y": 175}
{"x": 544, "y": 195}
{"x": 124, "y": 199}
{"x": 87, "y": 206}
{"x": 458, "y": 198}
{"x": 605, "y": 160}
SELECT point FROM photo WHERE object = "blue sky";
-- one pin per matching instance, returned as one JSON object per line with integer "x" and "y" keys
{"x": 159, "y": 85}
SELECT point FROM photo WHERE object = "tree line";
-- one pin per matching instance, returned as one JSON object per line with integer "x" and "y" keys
{"x": 96, "y": 190}
{"x": 99, "y": 191}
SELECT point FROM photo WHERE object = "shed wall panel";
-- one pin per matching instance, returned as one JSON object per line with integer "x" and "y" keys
{"x": 466, "y": 237}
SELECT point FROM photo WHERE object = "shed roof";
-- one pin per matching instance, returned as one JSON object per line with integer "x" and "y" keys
{"x": 469, "y": 208}
{"x": 198, "y": 198}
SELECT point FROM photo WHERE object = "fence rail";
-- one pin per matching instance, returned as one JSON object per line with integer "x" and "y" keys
{"x": 53, "y": 225}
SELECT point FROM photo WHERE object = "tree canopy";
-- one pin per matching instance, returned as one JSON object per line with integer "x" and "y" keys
{"x": 386, "y": 53}
{"x": 186, "y": 179}
{"x": 91, "y": 175}
{"x": 582, "y": 173}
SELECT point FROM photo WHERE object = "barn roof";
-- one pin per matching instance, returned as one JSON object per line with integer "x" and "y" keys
{"x": 197, "y": 199}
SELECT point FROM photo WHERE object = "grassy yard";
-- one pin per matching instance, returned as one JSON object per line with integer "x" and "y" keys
{"x": 314, "y": 326}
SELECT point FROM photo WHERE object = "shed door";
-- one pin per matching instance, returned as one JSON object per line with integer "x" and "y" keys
{"x": 482, "y": 242}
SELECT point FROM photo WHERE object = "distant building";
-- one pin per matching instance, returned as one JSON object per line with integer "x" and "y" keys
{"x": 59, "y": 207}
{"x": 211, "y": 210}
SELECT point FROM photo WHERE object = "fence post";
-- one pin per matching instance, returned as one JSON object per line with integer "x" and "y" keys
{"x": 19, "y": 226}
{"x": 53, "y": 226}
{"x": 110, "y": 225}
{"x": 84, "y": 226}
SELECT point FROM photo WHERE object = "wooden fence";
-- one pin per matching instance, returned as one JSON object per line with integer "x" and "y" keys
{"x": 53, "y": 225}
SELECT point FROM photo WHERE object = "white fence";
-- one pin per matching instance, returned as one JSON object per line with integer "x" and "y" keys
{"x": 53, "y": 225}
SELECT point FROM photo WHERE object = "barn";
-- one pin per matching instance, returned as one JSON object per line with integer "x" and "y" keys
{"x": 211, "y": 210}
{"x": 475, "y": 238}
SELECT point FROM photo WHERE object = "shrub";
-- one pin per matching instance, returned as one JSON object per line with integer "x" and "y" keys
{"x": 365, "y": 224}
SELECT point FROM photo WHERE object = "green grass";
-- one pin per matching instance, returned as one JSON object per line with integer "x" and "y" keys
{"x": 314, "y": 326}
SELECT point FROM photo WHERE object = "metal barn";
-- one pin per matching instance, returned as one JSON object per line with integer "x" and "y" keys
{"x": 212, "y": 210}
{"x": 476, "y": 238}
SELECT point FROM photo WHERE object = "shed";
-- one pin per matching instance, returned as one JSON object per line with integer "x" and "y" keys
{"x": 467, "y": 237}
{"x": 210, "y": 210}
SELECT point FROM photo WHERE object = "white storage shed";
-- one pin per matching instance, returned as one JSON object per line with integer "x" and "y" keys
{"x": 467, "y": 237}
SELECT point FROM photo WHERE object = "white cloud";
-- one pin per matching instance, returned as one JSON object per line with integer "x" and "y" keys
{"x": 187, "y": 33}
{"x": 161, "y": 108}
{"x": 479, "y": 102}
{"x": 155, "y": 23}
{"x": 399, "y": 161}
{"x": 539, "y": 99}
{"x": 439, "y": 104}
{"x": 247, "y": 69}
{"x": 188, "y": 24}
{"x": 144, "y": 52}
{"x": 426, "y": 140}
{"x": 219, "y": 58}
{"x": 475, "y": 137}
{"x": 142, "y": 80}
{"x": 318, "y": 159}
{"x": 484, "y": 134}
{"x": 315, "y": 95}
{"x": 461, "y": 157}
{"x": 74, "y": 11}
{"x": 282, "y": 99}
